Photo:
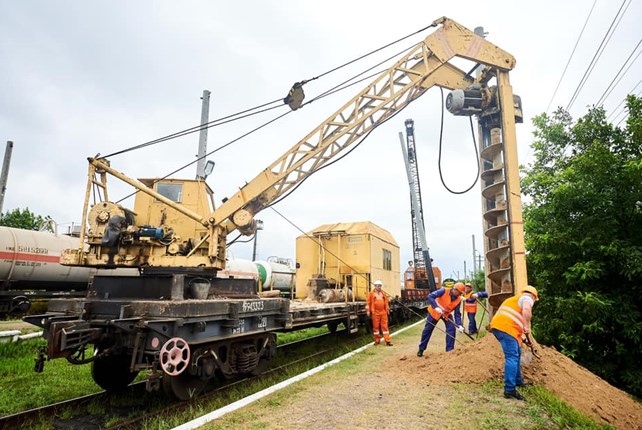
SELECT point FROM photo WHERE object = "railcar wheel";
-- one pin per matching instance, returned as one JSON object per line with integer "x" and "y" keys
{"x": 112, "y": 372}
{"x": 183, "y": 386}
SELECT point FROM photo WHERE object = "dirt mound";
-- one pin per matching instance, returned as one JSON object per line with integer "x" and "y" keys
{"x": 483, "y": 360}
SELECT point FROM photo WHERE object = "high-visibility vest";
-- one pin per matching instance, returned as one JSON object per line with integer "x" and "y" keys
{"x": 509, "y": 319}
{"x": 445, "y": 303}
{"x": 470, "y": 307}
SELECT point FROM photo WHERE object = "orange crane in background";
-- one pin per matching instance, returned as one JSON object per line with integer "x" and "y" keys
{"x": 422, "y": 275}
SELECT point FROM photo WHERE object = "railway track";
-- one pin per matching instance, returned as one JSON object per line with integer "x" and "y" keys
{"x": 158, "y": 404}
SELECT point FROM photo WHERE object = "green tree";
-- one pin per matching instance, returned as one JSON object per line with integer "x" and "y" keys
{"x": 584, "y": 241}
{"x": 25, "y": 219}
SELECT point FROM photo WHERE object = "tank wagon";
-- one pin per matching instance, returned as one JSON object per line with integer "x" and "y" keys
{"x": 178, "y": 319}
{"x": 30, "y": 269}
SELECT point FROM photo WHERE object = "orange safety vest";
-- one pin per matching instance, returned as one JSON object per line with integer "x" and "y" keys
{"x": 470, "y": 307}
{"x": 509, "y": 319}
{"x": 378, "y": 303}
{"x": 445, "y": 303}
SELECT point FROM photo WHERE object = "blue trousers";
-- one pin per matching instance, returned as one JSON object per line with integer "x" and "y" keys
{"x": 512, "y": 355}
{"x": 472, "y": 325}
{"x": 430, "y": 326}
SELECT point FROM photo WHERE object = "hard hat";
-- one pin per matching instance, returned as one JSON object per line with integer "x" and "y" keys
{"x": 378, "y": 282}
{"x": 532, "y": 290}
{"x": 468, "y": 284}
{"x": 460, "y": 287}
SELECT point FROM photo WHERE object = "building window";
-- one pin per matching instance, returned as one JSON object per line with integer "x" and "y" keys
{"x": 387, "y": 260}
{"x": 174, "y": 192}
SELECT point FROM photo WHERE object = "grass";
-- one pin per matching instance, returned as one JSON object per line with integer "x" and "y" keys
{"x": 24, "y": 389}
{"x": 293, "y": 336}
{"x": 467, "y": 405}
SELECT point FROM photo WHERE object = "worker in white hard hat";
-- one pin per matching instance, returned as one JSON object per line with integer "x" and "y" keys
{"x": 511, "y": 325}
{"x": 378, "y": 306}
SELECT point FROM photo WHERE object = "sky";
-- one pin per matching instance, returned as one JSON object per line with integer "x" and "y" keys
{"x": 84, "y": 78}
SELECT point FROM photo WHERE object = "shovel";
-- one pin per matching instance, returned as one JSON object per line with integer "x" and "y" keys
{"x": 529, "y": 343}
{"x": 448, "y": 320}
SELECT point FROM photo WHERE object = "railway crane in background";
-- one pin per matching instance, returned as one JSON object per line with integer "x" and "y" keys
{"x": 178, "y": 319}
{"x": 421, "y": 276}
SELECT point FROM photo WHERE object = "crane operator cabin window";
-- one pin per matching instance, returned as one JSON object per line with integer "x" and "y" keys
{"x": 174, "y": 192}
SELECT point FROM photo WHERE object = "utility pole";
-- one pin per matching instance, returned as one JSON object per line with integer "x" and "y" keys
{"x": 202, "y": 138}
{"x": 465, "y": 272}
{"x": 259, "y": 226}
{"x": 474, "y": 258}
{"x": 5, "y": 173}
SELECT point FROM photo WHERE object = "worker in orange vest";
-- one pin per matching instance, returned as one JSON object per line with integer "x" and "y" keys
{"x": 443, "y": 302}
{"x": 470, "y": 306}
{"x": 511, "y": 325}
{"x": 378, "y": 306}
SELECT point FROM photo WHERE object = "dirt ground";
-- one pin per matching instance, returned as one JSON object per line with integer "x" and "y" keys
{"x": 572, "y": 383}
{"x": 392, "y": 388}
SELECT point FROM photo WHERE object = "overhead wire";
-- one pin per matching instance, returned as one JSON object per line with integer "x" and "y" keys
{"x": 626, "y": 113}
{"x": 571, "y": 56}
{"x": 216, "y": 122}
{"x": 615, "y": 109}
{"x": 342, "y": 86}
{"x": 605, "y": 40}
{"x": 619, "y": 74}
{"x": 239, "y": 115}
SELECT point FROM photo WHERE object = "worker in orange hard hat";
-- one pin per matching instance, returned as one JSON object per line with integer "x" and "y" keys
{"x": 378, "y": 306}
{"x": 511, "y": 325}
{"x": 443, "y": 302}
{"x": 470, "y": 305}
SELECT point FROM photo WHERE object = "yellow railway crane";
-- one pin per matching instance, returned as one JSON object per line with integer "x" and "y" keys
{"x": 179, "y": 319}
{"x": 202, "y": 233}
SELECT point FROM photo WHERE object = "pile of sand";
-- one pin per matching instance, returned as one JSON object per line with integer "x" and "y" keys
{"x": 483, "y": 360}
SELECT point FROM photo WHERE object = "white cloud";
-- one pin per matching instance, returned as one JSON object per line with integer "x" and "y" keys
{"x": 78, "y": 79}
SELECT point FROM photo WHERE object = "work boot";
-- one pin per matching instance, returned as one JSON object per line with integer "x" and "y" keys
{"x": 389, "y": 344}
{"x": 420, "y": 353}
{"x": 513, "y": 395}
{"x": 376, "y": 343}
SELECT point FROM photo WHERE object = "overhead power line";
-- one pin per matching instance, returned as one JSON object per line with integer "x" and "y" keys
{"x": 571, "y": 56}
{"x": 600, "y": 50}
{"x": 613, "y": 84}
{"x": 622, "y": 102}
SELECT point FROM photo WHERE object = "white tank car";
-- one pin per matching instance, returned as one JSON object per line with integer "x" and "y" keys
{"x": 239, "y": 268}
{"x": 30, "y": 269}
{"x": 277, "y": 273}
{"x": 30, "y": 259}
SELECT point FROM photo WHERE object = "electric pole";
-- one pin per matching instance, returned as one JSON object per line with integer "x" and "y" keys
{"x": 202, "y": 138}
{"x": 4, "y": 175}
{"x": 474, "y": 258}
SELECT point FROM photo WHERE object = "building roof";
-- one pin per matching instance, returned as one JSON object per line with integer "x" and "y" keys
{"x": 355, "y": 228}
